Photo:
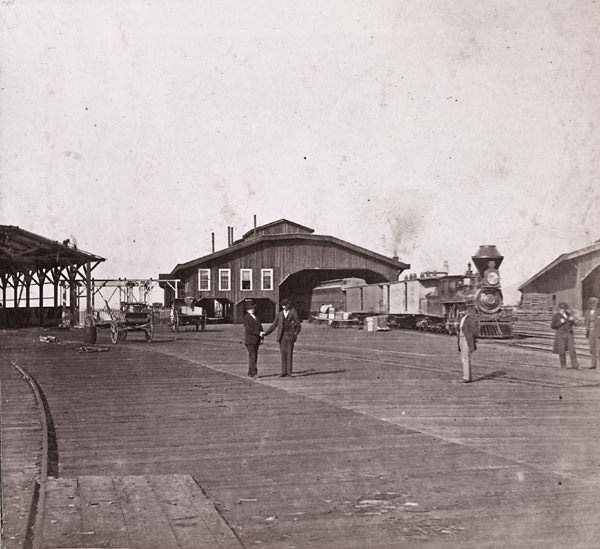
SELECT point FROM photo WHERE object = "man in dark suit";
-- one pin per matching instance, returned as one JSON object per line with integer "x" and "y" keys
{"x": 592, "y": 330}
{"x": 253, "y": 337}
{"x": 288, "y": 327}
{"x": 563, "y": 322}
{"x": 468, "y": 330}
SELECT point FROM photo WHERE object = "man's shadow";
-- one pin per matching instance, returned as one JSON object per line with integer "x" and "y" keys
{"x": 304, "y": 373}
{"x": 491, "y": 375}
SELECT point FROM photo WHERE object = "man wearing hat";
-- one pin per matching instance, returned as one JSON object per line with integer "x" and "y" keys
{"x": 563, "y": 322}
{"x": 592, "y": 329}
{"x": 468, "y": 328}
{"x": 288, "y": 327}
{"x": 253, "y": 336}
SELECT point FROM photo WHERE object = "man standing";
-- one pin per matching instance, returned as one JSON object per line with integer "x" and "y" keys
{"x": 288, "y": 327}
{"x": 592, "y": 330}
{"x": 253, "y": 337}
{"x": 563, "y": 322}
{"x": 468, "y": 330}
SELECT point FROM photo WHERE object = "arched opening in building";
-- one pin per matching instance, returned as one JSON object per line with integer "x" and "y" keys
{"x": 298, "y": 286}
{"x": 264, "y": 310}
{"x": 590, "y": 286}
{"x": 217, "y": 310}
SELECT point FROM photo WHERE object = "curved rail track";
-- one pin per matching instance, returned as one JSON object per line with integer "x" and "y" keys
{"x": 36, "y": 506}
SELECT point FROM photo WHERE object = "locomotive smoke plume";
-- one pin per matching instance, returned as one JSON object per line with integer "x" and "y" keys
{"x": 404, "y": 229}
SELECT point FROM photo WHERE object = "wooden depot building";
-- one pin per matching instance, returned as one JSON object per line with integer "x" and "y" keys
{"x": 573, "y": 277}
{"x": 282, "y": 259}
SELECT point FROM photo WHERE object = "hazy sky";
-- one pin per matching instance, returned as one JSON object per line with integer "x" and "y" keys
{"x": 423, "y": 128}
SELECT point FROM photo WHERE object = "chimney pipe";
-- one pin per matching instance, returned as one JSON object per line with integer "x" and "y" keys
{"x": 212, "y": 236}
{"x": 228, "y": 236}
{"x": 232, "y": 235}
{"x": 254, "y": 225}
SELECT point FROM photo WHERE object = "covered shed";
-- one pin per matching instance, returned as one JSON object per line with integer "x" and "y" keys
{"x": 282, "y": 259}
{"x": 572, "y": 277}
{"x": 42, "y": 280}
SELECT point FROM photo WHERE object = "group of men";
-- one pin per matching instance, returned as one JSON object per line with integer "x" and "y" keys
{"x": 564, "y": 342}
{"x": 288, "y": 327}
{"x": 287, "y": 323}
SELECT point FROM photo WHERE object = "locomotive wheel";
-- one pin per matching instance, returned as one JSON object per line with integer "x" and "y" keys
{"x": 149, "y": 333}
{"x": 114, "y": 332}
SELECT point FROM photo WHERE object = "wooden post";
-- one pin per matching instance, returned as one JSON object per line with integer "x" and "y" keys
{"x": 88, "y": 287}
{"x": 27, "y": 277}
{"x": 72, "y": 294}
{"x": 41, "y": 279}
{"x": 4, "y": 285}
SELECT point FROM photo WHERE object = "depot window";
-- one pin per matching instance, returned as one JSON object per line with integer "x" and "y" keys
{"x": 266, "y": 278}
{"x": 224, "y": 280}
{"x": 203, "y": 280}
{"x": 245, "y": 279}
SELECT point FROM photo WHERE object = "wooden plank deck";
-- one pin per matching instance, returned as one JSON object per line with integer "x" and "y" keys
{"x": 137, "y": 512}
{"x": 373, "y": 443}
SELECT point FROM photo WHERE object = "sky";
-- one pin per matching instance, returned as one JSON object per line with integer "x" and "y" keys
{"x": 417, "y": 129}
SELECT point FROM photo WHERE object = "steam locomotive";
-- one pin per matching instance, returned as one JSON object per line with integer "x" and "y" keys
{"x": 431, "y": 301}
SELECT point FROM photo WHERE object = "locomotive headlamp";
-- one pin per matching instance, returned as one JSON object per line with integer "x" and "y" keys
{"x": 492, "y": 277}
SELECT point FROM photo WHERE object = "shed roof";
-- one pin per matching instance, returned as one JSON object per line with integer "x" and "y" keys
{"x": 560, "y": 259}
{"x": 243, "y": 244}
{"x": 23, "y": 251}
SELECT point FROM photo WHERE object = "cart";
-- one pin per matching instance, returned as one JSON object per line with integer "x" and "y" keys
{"x": 131, "y": 317}
{"x": 186, "y": 312}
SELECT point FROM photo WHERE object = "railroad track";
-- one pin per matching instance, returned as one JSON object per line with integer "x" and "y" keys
{"x": 38, "y": 497}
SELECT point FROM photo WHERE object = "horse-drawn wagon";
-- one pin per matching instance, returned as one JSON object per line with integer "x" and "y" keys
{"x": 187, "y": 312}
{"x": 131, "y": 317}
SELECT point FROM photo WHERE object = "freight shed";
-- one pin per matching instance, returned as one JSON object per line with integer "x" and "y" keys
{"x": 572, "y": 277}
{"x": 42, "y": 280}
{"x": 282, "y": 259}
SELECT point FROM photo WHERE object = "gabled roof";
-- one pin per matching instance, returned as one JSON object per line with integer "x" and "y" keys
{"x": 560, "y": 259}
{"x": 23, "y": 251}
{"x": 243, "y": 244}
{"x": 282, "y": 221}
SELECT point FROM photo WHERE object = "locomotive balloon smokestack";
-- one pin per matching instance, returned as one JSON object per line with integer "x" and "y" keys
{"x": 484, "y": 255}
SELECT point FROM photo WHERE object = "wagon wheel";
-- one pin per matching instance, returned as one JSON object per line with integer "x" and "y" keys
{"x": 114, "y": 332}
{"x": 149, "y": 332}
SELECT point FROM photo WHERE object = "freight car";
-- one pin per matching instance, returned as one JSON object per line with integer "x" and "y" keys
{"x": 432, "y": 301}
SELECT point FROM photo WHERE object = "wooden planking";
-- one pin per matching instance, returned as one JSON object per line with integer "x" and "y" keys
{"x": 101, "y": 511}
{"x": 193, "y": 518}
{"x": 139, "y": 512}
{"x": 21, "y": 440}
{"x": 311, "y": 450}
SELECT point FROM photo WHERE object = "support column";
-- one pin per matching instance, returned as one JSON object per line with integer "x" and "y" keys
{"x": 72, "y": 294}
{"x": 41, "y": 274}
{"x": 88, "y": 288}
{"x": 27, "y": 278}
